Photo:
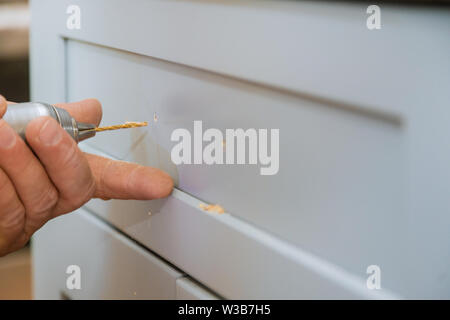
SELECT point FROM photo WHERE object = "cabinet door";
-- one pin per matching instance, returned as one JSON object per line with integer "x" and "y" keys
{"x": 109, "y": 265}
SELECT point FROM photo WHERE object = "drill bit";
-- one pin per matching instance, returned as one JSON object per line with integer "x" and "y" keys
{"x": 86, "y": 130}
{"x": 128, "y": 124}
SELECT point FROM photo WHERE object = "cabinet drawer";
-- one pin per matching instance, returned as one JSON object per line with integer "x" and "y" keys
{"x": 112, "y": 266}
{"x": 228, "y": 255}
{"x": 330, "y": 178}
{"x": 231, "y": 257}
{"x": 187, "y": 289}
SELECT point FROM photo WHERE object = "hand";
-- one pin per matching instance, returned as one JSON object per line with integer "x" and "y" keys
{"x": 59, "y": 178}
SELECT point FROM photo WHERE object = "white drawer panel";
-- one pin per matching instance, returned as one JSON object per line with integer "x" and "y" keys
{"x": 187, "y": 289}
{"x": 312, "y": 47}
{"x": 112, "y": 266}
{"x": 235, "y": 259}
{"x": 338, "y": 168}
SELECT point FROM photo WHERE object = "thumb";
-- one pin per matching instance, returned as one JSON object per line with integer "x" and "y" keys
{"x": 3, "y": 106}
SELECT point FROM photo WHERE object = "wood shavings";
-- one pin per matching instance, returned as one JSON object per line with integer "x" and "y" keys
{"x": 212, "y": 208}
{"x": 128, "y": 124}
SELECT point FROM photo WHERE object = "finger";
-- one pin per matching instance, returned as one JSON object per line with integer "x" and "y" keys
{"x": 12, "y": 214}
{"x": 123, "y": 180}
{"x": 89, "y": 110}
{"x": 3, "y": 106}
{"x": 29, "y": 178}
{"x": 64, "y": 162}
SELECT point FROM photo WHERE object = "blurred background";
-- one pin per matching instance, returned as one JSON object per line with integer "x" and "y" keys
{"x": 14, "y": 71}
{"x": 15, "y": 269}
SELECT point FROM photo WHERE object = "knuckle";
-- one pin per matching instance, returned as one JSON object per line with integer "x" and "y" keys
{"x": 14, "y": 220}
{"x": 45, "y": 202}
{"x": 69, "y": 159}
{"x": 131, "y": 178}
{"x": 102, "y": 177}
{"x": 83, "y": 197}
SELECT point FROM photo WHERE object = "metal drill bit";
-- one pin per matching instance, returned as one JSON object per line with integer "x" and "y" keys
{"x": 86, "y": 130}
{"x": 128, "y": 124}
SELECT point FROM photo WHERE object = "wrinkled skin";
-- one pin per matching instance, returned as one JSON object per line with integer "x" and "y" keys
{"x": 58, "y": 177}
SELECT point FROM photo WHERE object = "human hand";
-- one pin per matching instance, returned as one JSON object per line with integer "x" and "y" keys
{"x": 59, "y": 178}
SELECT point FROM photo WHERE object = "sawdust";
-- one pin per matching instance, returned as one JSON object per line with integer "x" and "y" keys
{"x": 212, "y": 208}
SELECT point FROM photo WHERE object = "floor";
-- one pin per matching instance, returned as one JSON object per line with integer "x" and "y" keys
{"x": 15, "y": 275}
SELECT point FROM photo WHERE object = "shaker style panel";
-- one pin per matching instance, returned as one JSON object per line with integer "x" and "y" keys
{"x": 337, "y": 168}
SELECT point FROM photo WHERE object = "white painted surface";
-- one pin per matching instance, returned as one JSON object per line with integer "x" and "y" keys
{"x": 189, "y": 290}
{"x": 321, "y": 150}
{"x": 230, "y": 256}
{"x": 363, "y": 118}
{"x": 112, "y": 266}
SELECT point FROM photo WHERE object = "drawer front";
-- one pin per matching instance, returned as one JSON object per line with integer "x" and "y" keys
{"x": 111, "y": 266}
{"x": 230, "y": 256}
{"x": 337, "y": 168}
{"x": 187, "y": 289}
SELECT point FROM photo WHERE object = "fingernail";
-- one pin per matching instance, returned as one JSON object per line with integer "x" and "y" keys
{"x": 50, "y": 133}
{"x": 7, "y": 136}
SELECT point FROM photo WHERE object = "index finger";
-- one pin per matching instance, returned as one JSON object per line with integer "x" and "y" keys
{"x": 123, "y": 180}
{"x": 88, "y": 110}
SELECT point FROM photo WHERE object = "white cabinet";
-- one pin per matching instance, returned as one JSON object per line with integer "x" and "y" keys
{"x": 189, "y": 290}
{"x": 363, "y": 119}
